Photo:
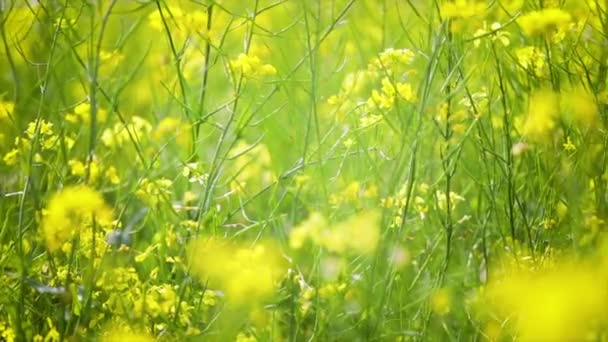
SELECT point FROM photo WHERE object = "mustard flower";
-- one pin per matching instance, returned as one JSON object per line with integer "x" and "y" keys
{"x": 544, "y": 21}
{"x": 69, "y": 211}
{"x": 246, "y": 274}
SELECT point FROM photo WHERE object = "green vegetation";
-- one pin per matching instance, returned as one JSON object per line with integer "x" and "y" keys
{"x": 303, "y": 170}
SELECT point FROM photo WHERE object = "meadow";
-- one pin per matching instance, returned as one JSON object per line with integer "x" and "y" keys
{"x": 303, "y": 170}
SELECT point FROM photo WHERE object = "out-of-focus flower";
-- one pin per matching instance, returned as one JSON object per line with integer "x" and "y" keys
{"x": 547, "y": 20}
{"x": 251, "y": 66}
{"x": 246, "y": 274}
{"x": 358, "y": 234}
{"x": 71, "y": 210}
{"x": 462, "y": 9}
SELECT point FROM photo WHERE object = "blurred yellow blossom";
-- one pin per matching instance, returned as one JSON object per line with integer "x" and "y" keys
{"x": 560, "y": 302}
{"x": 391, "y": 61}
{"x": 532, "y": 59}
{"x": 153, "y": 192}
{"x": 71, "y": 210}
{"x": 136, "y": 130}
{"x": 300, "y": 234}
{"x": 547, "y": 20}
{"x": 79, "y": 169}
{"x": 247, "y": 274}
{"x": 82, "y": 114}
{"x": 7, "y": 333}
{"x": 251, "y": 66}
{"x": 462, "y": 9}
{"x": 580, "y": 107}
{"x": 495, "y": 32}
{"x": 358, "y": 234}
{"x": 6, "y": 109}
{"x": 568, "y": 145}
{"x": 542, "y": 113}
{"x": 170, "y": 128}
{"x": 123, "y": 333}
{"x": 243, "y": 337}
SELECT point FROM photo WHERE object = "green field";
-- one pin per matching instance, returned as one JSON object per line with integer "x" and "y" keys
{"x": 303, "y": 170}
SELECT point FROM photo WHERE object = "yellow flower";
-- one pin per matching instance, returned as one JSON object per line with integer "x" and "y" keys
{"x": 153, "y": 192}
{"x": 7, "y": 334}
{"x": 242, "y": 337}
{"x": 137, "y": 129}
{"x": 532, "y": 59}
{"x": 300, "y": 234}
{"x": 569, "y": 146}
{"x": 495, "y": 31}
{"x": 560, "y": 303}
{"x": 462, "y": 9}
{"x": 11, "y": 157}
{"x": 358, "y": 234}
{"x": 542, "y": 113}
{"x": 157, "y": 301}
{"x": 251, "y": 66}
{"x": 442, "y": 199}
{"x": 329, "y": 290}
{"x": 391, "y": 61}
{"x": 247, "y": 274}
{"x": 110, "y": 59}
{"x": 543, "y": 21}
{"x": 6, "y": 109}
{"x": 78, "y": 169}
{"x": 46, "y": 129}
{"x": 120, "y": 334}
{"x": 370, "y": 120}
{"x": 361, "y": 232}
{"x": 53, "y": 335}
{"x": 580, "y": 107}
{"x": 385, "y": 99}
{"x": 82, "y": 114}
{"x": 70, "y": 210}
{"x": 112, "y": 175}
{"x": 380, "y": 100}
{"x": 171, "y": 128}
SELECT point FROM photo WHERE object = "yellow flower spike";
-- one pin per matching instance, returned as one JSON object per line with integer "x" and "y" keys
{"x": 542, "y": 113}
{"x": 531, "y": 59}
{"x": 11, "y": 157}
{"x": 544, "y": 21}
{"x": 243, "y": 337}
{"x": 45, "y": 129}
{"x": 391, "y": 60}
{"x": 111, "y": 175}
{"x": 120, "y": 334}
{"x": 154, "y": 192}
{"x": 82, "y": 114}
{"x": 462, "y": 9}
{"x": 70, "y": 210}
{"x": 247, "y": 274}
{"x": 558, "y": 303}
{"x": 6, "y": 109}
{"x": 580, "y": 107}
{"x": 307, "y": 229}
{"x": 359, "y": 234}
{"x": 251, "y": 66}
{"x": 121, "y": 133}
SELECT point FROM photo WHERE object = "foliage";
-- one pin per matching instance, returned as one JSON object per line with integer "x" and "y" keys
{"x": 303, "y": 170}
